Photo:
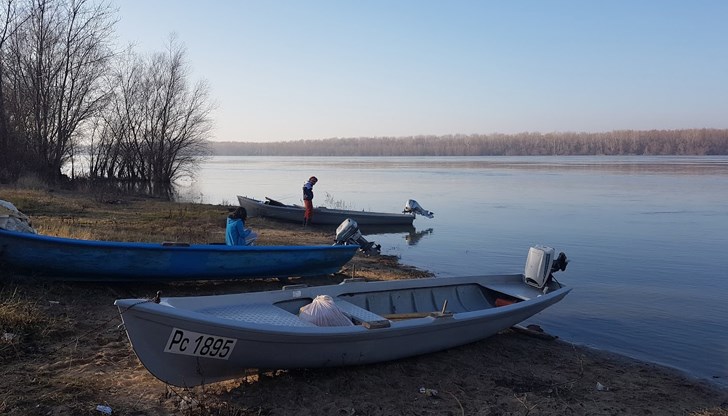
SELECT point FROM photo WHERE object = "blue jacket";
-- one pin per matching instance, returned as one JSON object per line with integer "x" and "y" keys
{"x": 235, "y": 232}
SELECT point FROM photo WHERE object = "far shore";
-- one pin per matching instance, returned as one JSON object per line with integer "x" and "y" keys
{"x": 66, "y": 353}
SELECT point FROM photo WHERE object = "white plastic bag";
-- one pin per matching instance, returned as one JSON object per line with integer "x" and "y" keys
{"x": 324, "y": 312}
{"x": 13, "y": 220}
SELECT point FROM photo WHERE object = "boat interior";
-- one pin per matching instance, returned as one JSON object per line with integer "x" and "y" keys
{"x": 376, "y": 308}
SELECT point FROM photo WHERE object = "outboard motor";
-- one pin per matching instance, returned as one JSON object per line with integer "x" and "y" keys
{"x": 415, "y": 208}
{"x": 347, "y": 233}
{"x": 541, "y": 264}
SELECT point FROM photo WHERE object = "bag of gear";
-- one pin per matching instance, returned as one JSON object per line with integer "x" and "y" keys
{"x": 13, "y": 220}
{"x": 324, "y": 312}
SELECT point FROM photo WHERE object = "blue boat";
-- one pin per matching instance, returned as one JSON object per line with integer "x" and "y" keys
{"x": 89, "y": 260}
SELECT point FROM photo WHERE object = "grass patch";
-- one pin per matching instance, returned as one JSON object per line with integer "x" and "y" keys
{"x": 131, "y": 218}
{"x": 330, "y": 202}
{"x": 18, "y": 315}
{"x": 37, "y": 202}
{"x": 23, "y": 322}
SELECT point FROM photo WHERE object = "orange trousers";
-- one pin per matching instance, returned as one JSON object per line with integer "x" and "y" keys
{"x": 308, "y": 214}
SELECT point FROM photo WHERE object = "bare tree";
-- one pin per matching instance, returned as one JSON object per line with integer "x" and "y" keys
{"x": 179, "y": 122}
{"x": 159, "y": 123}
{"x": 117, "y": 129}
{"x": 58, "y": 59}
{"x": 9, "y": 152}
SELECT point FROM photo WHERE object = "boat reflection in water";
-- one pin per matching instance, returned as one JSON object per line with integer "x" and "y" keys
{"x": 414, "y": 236}
{"x": 410, "y": 233}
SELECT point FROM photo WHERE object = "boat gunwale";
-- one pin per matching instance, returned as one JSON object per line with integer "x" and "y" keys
{"x": 68, "y": 242}
{"x": 194, "y": 317}
{"x": 336, "y": 211}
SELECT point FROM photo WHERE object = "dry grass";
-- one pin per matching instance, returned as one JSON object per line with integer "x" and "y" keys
{"x": 17, "y": 316}
{"x": 140, "y": 219}
{"x": 24, "y": 322}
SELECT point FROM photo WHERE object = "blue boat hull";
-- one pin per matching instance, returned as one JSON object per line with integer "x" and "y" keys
{"x": 72, "y": 259}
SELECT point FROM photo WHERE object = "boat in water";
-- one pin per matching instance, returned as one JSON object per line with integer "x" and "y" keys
{"x": 271, "y": 208}
{"x": 192, "y": 341}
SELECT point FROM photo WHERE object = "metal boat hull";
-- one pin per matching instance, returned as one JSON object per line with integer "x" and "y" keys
{"x": 321, "y": 215}
{"x": 262, "y": 330}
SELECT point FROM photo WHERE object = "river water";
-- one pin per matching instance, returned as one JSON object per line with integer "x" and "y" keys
{"x": 646, "y": 236}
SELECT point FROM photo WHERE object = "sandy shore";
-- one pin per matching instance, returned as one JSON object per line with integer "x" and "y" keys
{"x": 76, "y": 356}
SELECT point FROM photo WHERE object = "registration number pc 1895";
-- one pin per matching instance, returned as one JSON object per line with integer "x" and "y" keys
{"x": 200, "y": 345}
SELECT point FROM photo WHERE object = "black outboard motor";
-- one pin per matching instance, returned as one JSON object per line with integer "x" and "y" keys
{"x": 415, "y": 208}
{"x": 347, "y": 233}
{"x": 560, "y": 263}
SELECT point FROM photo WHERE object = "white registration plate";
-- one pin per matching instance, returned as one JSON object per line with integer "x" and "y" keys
{"x": 199, "y": 345}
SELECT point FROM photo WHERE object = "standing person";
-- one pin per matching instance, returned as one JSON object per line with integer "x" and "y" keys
{"x": 308, "y": 199}
{"x": 235, "y": 233}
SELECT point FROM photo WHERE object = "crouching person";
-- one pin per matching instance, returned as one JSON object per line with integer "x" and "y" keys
{"x": 235, "y": 233}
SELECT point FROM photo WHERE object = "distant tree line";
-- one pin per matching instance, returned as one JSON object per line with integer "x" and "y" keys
{"x": 623, "y": 142}
{"x": 65, "y": 90}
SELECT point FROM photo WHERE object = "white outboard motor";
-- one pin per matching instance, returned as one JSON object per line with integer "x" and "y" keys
{"x": 415, "y": 208}
{"x": 541, "y": 264}
{"x": 347, "y": 233}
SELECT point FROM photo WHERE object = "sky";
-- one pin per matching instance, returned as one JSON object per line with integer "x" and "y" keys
{"x": 282, "y": 70}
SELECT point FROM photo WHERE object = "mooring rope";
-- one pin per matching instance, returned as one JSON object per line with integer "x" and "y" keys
{"x": 105, "y": 323}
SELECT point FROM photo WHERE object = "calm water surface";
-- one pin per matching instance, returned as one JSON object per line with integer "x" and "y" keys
{"x": 646, "y": 236}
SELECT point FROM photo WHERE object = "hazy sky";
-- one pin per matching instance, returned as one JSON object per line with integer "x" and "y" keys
{"x": 289, "y": 70}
